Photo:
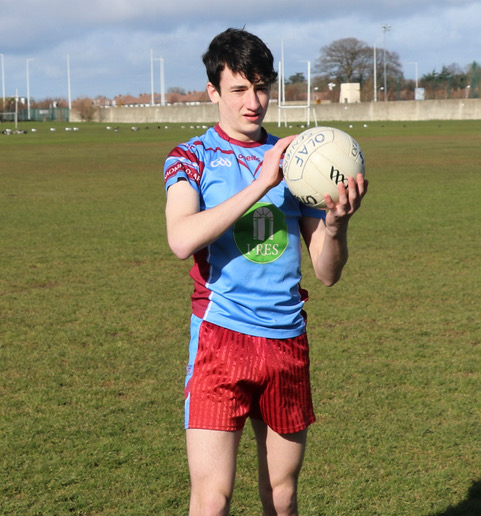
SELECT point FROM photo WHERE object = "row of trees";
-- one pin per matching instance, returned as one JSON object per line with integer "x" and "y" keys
{"x": 352, "y": 60}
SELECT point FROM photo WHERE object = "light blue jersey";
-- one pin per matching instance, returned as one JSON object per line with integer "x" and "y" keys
{"x": 249, "y": 279}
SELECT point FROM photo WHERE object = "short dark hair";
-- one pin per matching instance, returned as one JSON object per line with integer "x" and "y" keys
{"x": 243, "y": 53}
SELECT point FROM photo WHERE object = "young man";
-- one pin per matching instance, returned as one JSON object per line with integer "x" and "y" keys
{"x": 228, "y": 207}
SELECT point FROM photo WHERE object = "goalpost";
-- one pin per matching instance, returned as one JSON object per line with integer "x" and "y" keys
{"x": 281, "y": 95}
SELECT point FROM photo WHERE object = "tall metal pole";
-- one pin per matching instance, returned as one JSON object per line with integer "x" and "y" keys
{"x": 151, "y": 77}
{"x": 162, "y": 82}
{"x": 308, "y": 105}
{"x": 68, "y": 83}
{"x": 162, "y": 86}
{"x": 3, "y": 79}
{"x": 375, "y": 74}
{"x": 283, "y": 84}
{"x": 28, "y": 89}
{"x": 16, "y": 109}
{"x": 279, "y": 95}
{"x": 385, "y": 28}
{"x": 308, "y": 93}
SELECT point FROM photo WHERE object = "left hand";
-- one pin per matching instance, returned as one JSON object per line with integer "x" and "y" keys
{"x": 350, "y": 198}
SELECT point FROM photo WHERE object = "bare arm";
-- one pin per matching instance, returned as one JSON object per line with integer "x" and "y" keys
{"x": 327, "y": 240}
{"x": 189, "y": 230}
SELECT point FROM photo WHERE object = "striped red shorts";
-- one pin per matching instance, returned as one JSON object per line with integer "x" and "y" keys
{"x": 232, "y": 376}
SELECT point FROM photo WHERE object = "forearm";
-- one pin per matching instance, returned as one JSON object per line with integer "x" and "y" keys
{"x": 189, "y": 229}
{"x": 327, "y": 241}
{"x": 194, "y": 231}
{"x": 333, "y": 257}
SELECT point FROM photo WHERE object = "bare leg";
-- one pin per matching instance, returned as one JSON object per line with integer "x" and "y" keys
{"x": 280, "y": 461}
{"x": 212, "y": 465}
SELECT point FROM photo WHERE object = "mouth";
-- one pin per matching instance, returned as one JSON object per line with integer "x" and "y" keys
{"x": 252, "y": 117}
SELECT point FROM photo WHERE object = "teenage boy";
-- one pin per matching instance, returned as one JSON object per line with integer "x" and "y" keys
{"x": 228, "y": 207}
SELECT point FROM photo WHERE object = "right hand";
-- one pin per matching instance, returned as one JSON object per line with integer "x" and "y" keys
{"x": 271, "y": 173}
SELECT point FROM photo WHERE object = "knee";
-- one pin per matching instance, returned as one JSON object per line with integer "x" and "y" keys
{"x": 280, "y": 500}
{"x": 209, "y": 504}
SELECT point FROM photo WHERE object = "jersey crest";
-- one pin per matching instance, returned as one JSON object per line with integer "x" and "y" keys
{"x": 261, "y": 233}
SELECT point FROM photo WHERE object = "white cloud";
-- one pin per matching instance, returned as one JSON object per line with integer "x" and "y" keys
{"x": 109, "y": 41}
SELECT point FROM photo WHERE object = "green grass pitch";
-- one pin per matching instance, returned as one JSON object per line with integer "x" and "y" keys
{"x": 94, "y": 315}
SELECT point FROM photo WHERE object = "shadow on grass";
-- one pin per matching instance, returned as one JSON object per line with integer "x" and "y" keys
{"x": 469, "y": 507}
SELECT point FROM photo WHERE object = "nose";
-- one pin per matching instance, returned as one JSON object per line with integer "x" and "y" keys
{"x": 252, "y": 99}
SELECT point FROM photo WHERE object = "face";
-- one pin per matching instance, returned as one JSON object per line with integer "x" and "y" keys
{"x": 242, "y": 105}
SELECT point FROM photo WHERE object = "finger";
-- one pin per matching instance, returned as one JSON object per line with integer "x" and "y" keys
{"x": 282, "y": 144}
{"x": 277, "y": 151}
{"x": 289, "y": 139}
{"x": 362, "y": 184}
{"x": 353, "y": 189}
{"x": 330, "y": 204}
{"x": 343, "y": 193}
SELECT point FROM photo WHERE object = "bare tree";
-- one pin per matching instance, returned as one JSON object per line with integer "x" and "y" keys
{"x": 351, "y": 60}
{"x": 344, "y": 59}
{"x": 393, "y": 66}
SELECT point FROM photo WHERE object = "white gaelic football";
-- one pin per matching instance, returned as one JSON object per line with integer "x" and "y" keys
{"x": 317, "y": 161}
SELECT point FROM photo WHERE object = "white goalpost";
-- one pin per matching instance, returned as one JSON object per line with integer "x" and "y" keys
{"x": 281, "y": 95}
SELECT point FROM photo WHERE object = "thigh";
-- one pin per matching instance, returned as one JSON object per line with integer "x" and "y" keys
{"x": 212, "y": 461}
{"x": 280, "y": 455}
{"x": 280, "y": 461}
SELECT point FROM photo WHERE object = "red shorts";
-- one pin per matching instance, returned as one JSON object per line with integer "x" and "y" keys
{"x": 232, "y": 376}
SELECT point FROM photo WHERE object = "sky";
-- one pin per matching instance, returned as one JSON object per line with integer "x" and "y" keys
{"x": 105, "y": 46}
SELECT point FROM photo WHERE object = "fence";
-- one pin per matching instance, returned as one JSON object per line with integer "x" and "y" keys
{"x": 37, "y": 115}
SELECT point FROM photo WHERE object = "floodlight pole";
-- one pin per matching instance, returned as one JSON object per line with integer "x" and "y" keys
{"x": 3, "y": 79}
{"x": 375, "y": 74}
{"x": 151, "y": 77}
{"x": 308, "y": 92}
{"x": 16, "y": 109}
{"x": 68, "y": 83}
{"x": 162, "y": 82}
{"x": 308, "y": 118}
{"x": 28, "y": 89}
{"x": 385, "y": 28}
{"x": 283, "y": 83}
{"x": 162, "y": 86}
{"x": 280, "y": 85}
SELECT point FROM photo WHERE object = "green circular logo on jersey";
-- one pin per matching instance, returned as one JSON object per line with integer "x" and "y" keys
{"x": 261, "y": 233}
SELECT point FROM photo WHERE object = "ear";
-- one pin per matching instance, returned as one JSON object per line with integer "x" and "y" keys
{"x": 213, "y": 93}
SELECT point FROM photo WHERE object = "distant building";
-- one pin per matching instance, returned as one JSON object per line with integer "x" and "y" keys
{"x": 350, "y": 93}
{"x": 145, "y": 99}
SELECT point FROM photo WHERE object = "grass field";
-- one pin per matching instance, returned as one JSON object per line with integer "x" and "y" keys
{"x": 94, "y": 329}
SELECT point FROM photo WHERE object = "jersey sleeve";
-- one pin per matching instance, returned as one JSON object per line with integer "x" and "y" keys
{"x": 183, "y": 163}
